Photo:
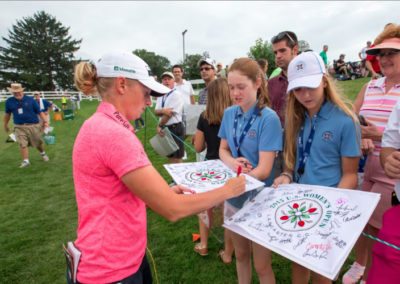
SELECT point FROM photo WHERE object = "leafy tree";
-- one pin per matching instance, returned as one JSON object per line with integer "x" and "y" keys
{"x": 263, "y": 49}
{"x": 190, "y": 65}
{"x": 39, "y": 54}
{"x": 157, "y": 63}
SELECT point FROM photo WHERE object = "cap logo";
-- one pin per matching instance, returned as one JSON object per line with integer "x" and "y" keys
{"x": 118, "y": 68}
{"x": 299, "y": 66}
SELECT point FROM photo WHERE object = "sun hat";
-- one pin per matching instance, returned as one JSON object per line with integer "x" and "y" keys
{"x": 169, "y": 74}
{"x": 392, "y": 43}
{"x": 305, "y": 70}
{"x": 15, "y": 88}
{"x": 126, "y": 64}
{"x": 208, "y": 61}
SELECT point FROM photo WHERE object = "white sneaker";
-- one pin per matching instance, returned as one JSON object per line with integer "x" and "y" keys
{"x": 45, "y": 158}
{"x": 354, "y": 274}
{"x": 24, "y": 164}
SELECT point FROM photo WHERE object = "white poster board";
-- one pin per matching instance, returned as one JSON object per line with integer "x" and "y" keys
{"x": 192, "y": 113}
{"x": 312, "y": 225}
{"x": 207, "y": 175}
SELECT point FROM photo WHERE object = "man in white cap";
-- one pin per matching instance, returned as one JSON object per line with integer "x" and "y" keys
{"x": 208, "y": 74}
{"x": 27, "y": 128}
{"x": 170, "y": 108}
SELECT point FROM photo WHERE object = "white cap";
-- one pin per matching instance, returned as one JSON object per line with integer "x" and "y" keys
{"x": 128, "y": 65}
{"x": 208, "y": 61}
{"x": 305, "y": 70}
{"x": 169, "y": 74}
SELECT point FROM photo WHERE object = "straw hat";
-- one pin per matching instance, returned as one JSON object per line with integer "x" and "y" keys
{"x": 15, "y": 88}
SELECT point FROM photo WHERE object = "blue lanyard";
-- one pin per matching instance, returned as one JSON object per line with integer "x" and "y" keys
{"x": 304, "y": 153}
{"x": 246, "y": 128}
{"x": 165, "y": 97}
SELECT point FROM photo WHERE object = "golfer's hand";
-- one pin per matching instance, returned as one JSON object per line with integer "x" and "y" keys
{"x": 236, "y": 185}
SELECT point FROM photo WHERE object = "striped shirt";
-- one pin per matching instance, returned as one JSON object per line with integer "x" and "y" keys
{"x": 378, "y": 105}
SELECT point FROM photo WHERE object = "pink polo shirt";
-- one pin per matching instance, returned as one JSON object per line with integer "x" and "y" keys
{"x": 111, "y": 219}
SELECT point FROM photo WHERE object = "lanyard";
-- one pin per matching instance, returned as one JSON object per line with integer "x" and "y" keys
{"x": 246, "y": 128}
{"x": 304, "y": 153}
{"x": 164, "y": 98}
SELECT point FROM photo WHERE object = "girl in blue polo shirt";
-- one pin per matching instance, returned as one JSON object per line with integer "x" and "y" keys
{"x": 251, "y": 135}
{"x": 322, "y": 136}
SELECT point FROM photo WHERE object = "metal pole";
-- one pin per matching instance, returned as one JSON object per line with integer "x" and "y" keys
{"x": 183, "y": 38}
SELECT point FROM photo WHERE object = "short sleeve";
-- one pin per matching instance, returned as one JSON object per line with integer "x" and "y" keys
{"x": 8, "y": 107}
{"x": 158, "y": 103}
{"x": 271, "y": 132}
{"x": 124, "y": 152}
{"x": 391, "y": 135}
{"x": 36, "y": 107}
{"x": 223, "y": 130}
{"x": 200, "y": 123}
{"x": 350, "y": 139}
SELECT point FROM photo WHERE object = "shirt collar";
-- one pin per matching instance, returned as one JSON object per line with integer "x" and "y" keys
{"x": 247, "y": 113}
{"x": 326, "y": 110}
{"x": 110, "y": 111}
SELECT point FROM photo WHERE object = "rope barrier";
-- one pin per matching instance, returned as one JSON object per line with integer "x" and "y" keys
{"x": 154, "y": 265}
{"x": 381, "y": 241}
{"x": 194, "y": 151}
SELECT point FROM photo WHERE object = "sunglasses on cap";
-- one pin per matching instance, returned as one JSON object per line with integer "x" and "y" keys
{"x": 205, "y": 68}
{"x": 281, "y": 36}
{"x": 388, "y": 53}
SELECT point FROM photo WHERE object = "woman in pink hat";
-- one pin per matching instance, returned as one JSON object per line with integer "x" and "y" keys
{"x": 375, "y": 103}
{"x": 114, "y": 179}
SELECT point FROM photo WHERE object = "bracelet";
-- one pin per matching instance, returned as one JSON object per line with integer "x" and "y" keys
{"x": 289, "y": 175}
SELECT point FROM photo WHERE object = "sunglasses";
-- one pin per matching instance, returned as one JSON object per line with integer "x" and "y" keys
{"x": 281, "y": 36}
{"x": 388, "y": 53}
{"x": 205, "y": 69}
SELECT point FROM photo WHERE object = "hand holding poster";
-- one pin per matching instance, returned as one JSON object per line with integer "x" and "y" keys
{"x": 207, "y": 175}
{"x": 314, "y": 226}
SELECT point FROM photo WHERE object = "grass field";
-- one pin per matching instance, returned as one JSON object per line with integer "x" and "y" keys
{"x": 38, "y": 214}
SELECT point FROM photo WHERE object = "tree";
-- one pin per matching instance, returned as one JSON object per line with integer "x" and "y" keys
{"x": 157, "y": 63}
{"x": 263, "y": 49}
{"x": 191, "y": 68}
{"x": 39, "y": 54}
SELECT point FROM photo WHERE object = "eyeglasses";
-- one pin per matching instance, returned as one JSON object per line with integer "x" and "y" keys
{"x": 205, "y": 69}
{"x": 281, "y": 36}
{"x": 388, "y": 53}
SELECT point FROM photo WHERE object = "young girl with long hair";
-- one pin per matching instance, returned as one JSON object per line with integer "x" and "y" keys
{"x": 206, "y": 136}
{"x": 322, "y": 136}
{"x": 251, "y": 135}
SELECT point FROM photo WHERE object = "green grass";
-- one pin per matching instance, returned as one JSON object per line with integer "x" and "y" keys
{"x": 38, "y": 213}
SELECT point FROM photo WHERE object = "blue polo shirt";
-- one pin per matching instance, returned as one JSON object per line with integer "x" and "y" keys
{"x": 265, "y": 135}
{"x": 24, "y": 111}
{"x": 336, "y": 136}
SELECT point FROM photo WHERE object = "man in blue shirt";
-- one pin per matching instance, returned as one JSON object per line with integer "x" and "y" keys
{"x": 44, "y": 105}
{"x": 27, "y": 129}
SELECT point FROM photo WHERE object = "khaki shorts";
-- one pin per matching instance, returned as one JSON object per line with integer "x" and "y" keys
{"x": 29, "y": 135}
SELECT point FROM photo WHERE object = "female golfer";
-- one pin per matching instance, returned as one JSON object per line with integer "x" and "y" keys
{"x": 114, "y": 179}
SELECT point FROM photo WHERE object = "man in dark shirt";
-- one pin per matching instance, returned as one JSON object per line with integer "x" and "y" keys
{"x": 28, "y": 131}
{"x": 285, "y": 47}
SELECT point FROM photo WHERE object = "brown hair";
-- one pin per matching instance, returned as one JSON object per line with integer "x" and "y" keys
{"x": 86, "y": 80}
{"x": 250, "y": 68}
{"x": 390, "y": 31}
{"x": 295, "y": 118}
{"x": 218, "y": 99}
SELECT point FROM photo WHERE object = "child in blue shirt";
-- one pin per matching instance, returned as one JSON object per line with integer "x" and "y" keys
{"x": 322, "y": 136}
{"x": 251, "y": 135}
